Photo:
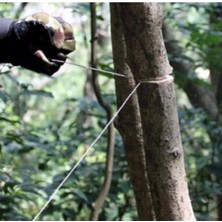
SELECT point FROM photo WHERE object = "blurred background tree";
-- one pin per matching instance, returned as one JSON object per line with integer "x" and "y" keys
{"x": 47, "y": 123}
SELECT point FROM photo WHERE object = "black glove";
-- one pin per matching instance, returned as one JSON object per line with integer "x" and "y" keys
{"x": 34, "y": 41}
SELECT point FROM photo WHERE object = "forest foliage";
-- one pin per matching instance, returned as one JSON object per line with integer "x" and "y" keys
{"x": 47, "y": 123}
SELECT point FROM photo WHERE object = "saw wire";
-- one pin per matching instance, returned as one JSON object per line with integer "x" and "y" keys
{"x": 88, "y": 67}
{"x": 85, "y": 153}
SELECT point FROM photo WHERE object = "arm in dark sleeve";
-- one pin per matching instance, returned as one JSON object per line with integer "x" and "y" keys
{"x": 33, "y": 41}
{"x": 4, "y": 29}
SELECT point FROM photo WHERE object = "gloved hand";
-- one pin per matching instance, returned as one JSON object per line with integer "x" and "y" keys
{"x": 34, "y": 41}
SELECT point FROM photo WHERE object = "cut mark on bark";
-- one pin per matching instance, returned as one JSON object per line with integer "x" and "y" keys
{"x": 164, "y": 79}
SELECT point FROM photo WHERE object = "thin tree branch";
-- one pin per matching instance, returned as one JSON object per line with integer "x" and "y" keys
{"x": 20, "y": 9}
{"x": 97, "y": 205}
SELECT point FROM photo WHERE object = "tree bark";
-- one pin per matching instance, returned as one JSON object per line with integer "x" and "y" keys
{"x": 216, "y": 78}
{"x": 129, "y": 121}
{"x": 147, "y": 59}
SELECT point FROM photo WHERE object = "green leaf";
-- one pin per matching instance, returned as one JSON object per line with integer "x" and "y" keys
{"x": 100, "y": 17}
{"x": 3, "y": 96}
{"x": 2, "y": 106}
{"x": 9, "y": 120}
{"x": 80, "y": 194}
{"x": 15, "y": 137}
{"x": 37, "y": 93}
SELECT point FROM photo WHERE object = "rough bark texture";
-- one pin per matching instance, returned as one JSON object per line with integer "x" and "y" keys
{"x": 208, "y": 100}
{"x": 216, "y": 79}
{"x": 129, "y": 121}
{"x": 147, "y": 59}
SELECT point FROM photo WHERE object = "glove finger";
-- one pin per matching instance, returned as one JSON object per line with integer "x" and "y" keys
{"x": 39, "y": 39}
{"x": 59, "y": 32}
{"x": 49, "y": 23}
{"x": 69, "y": 43}
{"x": 36, "y": 64}
{"x": 31, "y": 36}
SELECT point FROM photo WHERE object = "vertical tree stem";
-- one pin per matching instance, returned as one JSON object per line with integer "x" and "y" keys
{"x": 129, "y": 120}
{"x": 97, "y": 205}
{"x": 147, "y": 58}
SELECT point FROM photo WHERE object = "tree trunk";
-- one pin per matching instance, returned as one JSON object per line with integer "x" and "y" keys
{"x": 147, "y": 59}
{"x": 129, "y": 121}
{"x": 215, "y": 67}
